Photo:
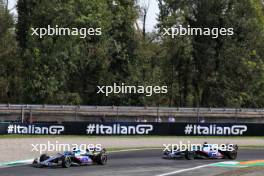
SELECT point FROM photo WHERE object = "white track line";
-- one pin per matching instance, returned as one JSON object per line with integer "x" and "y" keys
{"x": 186, "y": 170}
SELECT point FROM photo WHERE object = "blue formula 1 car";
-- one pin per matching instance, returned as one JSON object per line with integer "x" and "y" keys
{"x": 206, "y": 151}
{"x": 72, "y": 158}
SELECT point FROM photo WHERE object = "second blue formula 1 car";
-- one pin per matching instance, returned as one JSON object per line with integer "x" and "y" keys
{"x": 206, "y": 151}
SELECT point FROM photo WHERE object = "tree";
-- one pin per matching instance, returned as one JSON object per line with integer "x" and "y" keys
{"x": 10, "y": 64}
{"x": 61, "y": 66}
{"x": 216, "y": 68}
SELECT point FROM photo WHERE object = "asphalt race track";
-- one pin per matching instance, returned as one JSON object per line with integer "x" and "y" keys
{"x": 138, "y": 163}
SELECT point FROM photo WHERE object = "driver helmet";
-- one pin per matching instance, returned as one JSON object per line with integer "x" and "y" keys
{"x": 76, "y": 150}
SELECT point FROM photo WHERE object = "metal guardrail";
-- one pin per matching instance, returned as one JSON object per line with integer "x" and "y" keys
{"x": 26, "y": 110}
{"x": 127, "y": 108}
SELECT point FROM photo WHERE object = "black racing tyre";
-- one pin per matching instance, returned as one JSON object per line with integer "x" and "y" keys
{"x": 232, "y": 155}
{"x": 35, "y": 163}
{"x": 66, "y": 162}
{"x": 43, "y": 157}
{"x": 101, "y": 159}
{"x": 189, "y": 155}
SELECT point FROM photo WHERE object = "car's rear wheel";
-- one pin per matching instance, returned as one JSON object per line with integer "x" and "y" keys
{"x": 101, "y": 159}
{"x": 66, "y": 162}
{"x": 231, "y": 155}
{"x": 189, "y": 155}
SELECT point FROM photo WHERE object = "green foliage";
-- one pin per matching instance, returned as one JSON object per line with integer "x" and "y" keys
{"x": 10, "y": 64}
{"x": 227, "y": 71}
{"x": 57, "y": 64}
{"x": 198, "y": 70}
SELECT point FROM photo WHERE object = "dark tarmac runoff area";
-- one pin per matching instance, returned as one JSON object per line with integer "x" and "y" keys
{"x": 150, "y": 163}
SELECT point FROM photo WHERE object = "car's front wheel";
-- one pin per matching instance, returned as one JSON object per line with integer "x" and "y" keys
{"x": 66, "y": 162}
{"x": 43, "y": 157}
